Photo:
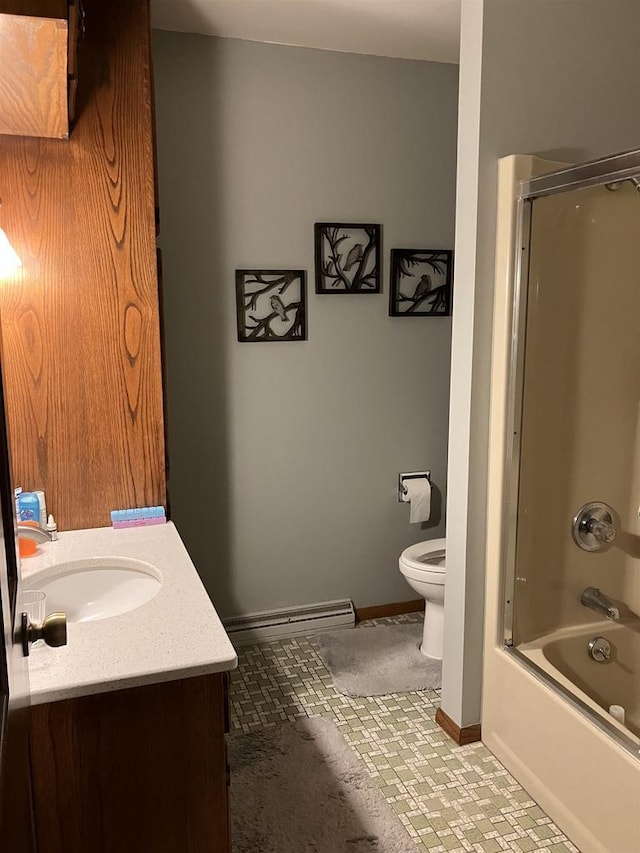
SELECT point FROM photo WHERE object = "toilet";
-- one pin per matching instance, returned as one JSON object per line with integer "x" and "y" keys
{"x": 423, "y": 566}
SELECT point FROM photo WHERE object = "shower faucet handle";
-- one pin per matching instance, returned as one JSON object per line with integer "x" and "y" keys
{"x": 595, "y": 526}
{"x": 602, "y": 530}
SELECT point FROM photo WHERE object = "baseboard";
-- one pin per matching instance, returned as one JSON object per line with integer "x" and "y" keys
{"x": 286, "y": 622}
{"x": 468, "y": 734}
{"x": 395, "y": 609}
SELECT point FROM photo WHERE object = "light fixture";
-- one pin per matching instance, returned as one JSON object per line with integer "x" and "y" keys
{"x": 9, "y": 258}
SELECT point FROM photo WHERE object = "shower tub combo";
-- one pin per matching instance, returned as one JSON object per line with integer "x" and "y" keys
{"x": 561, "y": 703}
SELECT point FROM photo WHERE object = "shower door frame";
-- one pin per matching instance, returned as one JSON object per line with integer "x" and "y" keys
{"x": 607, "y": 170}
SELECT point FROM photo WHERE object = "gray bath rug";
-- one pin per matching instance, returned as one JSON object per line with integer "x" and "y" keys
{"x": 299, "y": 788}
{"x": 377, "y": 660}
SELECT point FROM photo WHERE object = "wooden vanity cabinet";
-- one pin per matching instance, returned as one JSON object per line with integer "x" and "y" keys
{"x": 142, "y": 769}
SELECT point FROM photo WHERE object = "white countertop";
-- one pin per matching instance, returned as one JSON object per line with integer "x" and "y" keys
{"x": 177, "y": 634}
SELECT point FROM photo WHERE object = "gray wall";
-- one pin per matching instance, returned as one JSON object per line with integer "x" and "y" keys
{"x": 560, "y": 80}
{"x": 284, "y": 459}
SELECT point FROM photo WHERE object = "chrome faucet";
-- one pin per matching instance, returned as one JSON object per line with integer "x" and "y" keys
{"x": 35, "y": 532}
{"x": 598, "y": 601}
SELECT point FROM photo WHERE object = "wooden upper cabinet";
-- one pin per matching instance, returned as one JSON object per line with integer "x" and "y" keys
{"x": 37, "y": 67}
{"x": 35, "y": 8}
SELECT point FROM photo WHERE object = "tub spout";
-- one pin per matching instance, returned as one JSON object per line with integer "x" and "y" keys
{"x": 598, "y": 601}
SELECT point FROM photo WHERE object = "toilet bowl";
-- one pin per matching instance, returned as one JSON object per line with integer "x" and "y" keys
{"x": 423, "y": 566}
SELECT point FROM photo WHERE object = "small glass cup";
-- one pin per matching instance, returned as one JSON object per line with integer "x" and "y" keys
{"x": 34, "y": 604}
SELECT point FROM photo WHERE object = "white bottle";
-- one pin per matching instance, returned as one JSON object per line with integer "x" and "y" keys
{"x": 52, "y": 527}
{"x": 618, "y": 713}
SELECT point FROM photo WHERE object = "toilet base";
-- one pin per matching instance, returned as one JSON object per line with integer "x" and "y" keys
{"x": 432, "y": 634}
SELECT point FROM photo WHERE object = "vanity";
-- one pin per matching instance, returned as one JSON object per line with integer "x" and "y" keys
{"x": 128, "y": 719}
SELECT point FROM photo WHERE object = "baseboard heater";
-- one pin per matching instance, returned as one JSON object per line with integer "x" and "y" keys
{"x": 290, "y": 622}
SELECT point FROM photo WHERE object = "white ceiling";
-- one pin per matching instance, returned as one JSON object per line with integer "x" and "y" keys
{"x": 409, "y": 29}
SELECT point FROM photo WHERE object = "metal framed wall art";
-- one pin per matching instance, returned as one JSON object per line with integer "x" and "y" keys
{"x": 420, "y": 282}
{"x": 271, "y": 305}
{"x": 347, "y": 258}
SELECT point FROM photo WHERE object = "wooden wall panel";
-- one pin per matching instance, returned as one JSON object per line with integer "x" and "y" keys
{"x": 33, "y": 78}
{"x": 81, "y": 320}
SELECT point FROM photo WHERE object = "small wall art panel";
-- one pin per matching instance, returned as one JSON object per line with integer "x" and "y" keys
{"x": 271, "y": 305}
{"x": 420, "y": 282}
{"x": 347, "y": 258}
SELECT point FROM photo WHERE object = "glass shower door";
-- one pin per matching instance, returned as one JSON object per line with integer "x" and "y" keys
{"x": 576, "y": 386}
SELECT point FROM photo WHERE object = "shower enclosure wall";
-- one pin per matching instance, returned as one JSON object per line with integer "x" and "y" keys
{"x": 563, "y": 588}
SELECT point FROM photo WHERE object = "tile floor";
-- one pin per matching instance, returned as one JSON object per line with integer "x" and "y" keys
{"x": 450, "y": 799}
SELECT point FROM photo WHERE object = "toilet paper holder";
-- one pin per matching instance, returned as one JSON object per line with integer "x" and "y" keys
{"x": 410, "y": 475}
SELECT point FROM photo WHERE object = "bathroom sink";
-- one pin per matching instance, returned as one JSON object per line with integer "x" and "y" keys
{"x": 88, "y": 590}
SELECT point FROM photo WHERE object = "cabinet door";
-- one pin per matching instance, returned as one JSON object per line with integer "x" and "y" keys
{"x": 135, "y": 770}
{"x": 33, "y": 75}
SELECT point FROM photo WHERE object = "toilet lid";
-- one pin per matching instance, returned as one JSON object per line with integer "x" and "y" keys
{"x": 427, "y": 556}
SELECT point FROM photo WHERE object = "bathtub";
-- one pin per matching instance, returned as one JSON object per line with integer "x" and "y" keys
{"x": 563, "y": 657}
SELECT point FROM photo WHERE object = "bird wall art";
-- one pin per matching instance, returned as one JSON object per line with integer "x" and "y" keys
{"x": 271, "y": 305}
{"x": 420, "y": 282}
{"x": 347, "y": 258}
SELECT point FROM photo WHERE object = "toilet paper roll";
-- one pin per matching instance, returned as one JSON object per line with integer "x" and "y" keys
{"x": 418, "y": 496}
